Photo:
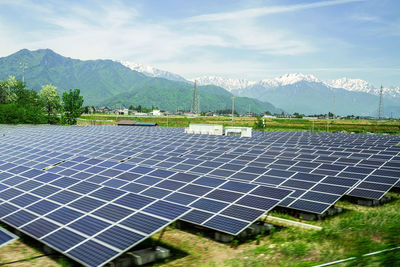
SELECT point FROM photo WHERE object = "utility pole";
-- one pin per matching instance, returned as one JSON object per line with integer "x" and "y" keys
{"x": 263, "y": 127}
{"x": 233, "y": 107}
{"x": 23, "y": 70}
{"x": 334, "y": 106}
{"x": 327, "y": 123}
{"x": 312, "y": 125}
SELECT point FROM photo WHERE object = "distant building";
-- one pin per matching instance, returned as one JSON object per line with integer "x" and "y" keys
{"x": 212, "y": 129}
{"x": 156, "y": 112}
{"x": 104, "y": 110}
{"x": 122, "y": 111}
{"x": 126, "y": 123}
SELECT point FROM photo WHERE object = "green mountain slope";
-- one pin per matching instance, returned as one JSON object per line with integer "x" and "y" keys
{"x": 180, "y": 97}
{"x": 106, "y": 82}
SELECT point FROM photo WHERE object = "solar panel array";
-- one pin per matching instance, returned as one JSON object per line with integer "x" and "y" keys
{"x": 6, "y": 237}
{"x": 220, "y": 182}
{"x": 105, "y": 207}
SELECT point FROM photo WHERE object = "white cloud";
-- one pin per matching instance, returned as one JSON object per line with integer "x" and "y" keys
{"x": 258, "y": 12}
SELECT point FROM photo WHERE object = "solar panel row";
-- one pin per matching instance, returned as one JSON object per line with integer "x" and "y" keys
{"x": 223, "y": 183}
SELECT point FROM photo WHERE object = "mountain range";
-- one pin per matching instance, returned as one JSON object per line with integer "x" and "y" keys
{"x": 307, "y": 94}
{"x": 110, "y": 83}
{"x": 303, "y": 93}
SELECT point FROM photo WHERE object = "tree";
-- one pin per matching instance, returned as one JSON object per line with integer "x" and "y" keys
{"x": 51, "y": 101}
{"x": 259, "y": 123}
{"x": 7, "y": 87}
{"x": 71, "y": 107}
{"x": 19, "y": 105}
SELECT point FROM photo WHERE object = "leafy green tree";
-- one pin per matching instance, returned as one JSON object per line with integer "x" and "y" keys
{"x": 86, "y": 109}
{"x": 51, "y": 101}
{"x": 259, "y": 123}
{"x": 19, "y": 105}
{"x": 71, "y": 107}
{"x": 7, "y": 94}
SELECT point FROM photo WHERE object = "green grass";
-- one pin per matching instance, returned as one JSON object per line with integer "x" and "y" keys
{"x": 357, "y": 126}
{"x": 356, "y": 231}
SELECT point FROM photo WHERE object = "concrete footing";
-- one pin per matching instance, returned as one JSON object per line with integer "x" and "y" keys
{"x": 312, "y": 216}
{"x": 141, "y": 257}
{"x": 48, "y": 250}
{"x": 373, "y": 202}
{"x": 253, "y": 230}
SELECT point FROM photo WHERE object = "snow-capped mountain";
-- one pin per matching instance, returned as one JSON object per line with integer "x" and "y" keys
{"x": 226, "y": 83}
{"x": 153, "y": 72}
{"x": 288, "y": 79}
{"x": 238, "y": 86}
{"x": 356, "y": 85}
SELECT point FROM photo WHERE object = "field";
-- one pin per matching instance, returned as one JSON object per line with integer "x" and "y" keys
{"x": 272, "y": 124}
{"x": 358, "y": 230}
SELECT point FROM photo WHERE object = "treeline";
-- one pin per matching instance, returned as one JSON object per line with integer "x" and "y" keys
{"x": 226, "y": 112}
{"x": 139, "y": 108}
{"x": 19, "y": 105}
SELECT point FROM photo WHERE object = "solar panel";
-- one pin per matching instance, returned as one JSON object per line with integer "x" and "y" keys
{"x": 73, "y": 221}
{"x": 6, "y": 237}
{"x": 213, "y": 175}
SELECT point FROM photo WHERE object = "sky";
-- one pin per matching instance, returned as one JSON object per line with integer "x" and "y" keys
{"x": 246, "y": 39}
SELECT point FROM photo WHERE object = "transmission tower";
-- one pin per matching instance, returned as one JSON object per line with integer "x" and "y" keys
{"x": 23, "y": 66}
{"x": 195, "y": 108}
{"x": 380, "y": 107}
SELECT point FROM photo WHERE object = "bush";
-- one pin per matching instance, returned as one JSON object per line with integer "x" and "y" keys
{"x": 15, "y": 114}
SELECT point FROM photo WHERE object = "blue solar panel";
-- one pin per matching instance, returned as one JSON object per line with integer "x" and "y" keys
{"x": 64, "y": 197}
{"x": 226, "y": 224}
{"x": 64, "y": 215}
{"x": 144, "y": 222}
{"x": 223, "y": 195}
{"x": 92, "y": 253}
{"x": 243, "y": 213}
{"x": 112, "y": 212}
{"x": 42, "y": 207}
{"x": 19, "y": 218}
{"x": 166, "y": 210}
{"x": 6, "y": 237}
{"x": 119, "y": 237}
{"x": 197, "y": 216}
{"x": 209, "y": 205}
{"x": 237, "y": 159}
{"x": 63, "y": 239}
{"x": 39, "y": 228}
{"x": 86, "y": 204}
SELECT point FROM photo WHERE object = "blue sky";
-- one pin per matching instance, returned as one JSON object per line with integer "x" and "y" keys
{"x": 251, "y": 39}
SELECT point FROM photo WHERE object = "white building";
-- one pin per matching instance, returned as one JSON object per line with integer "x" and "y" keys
{"x": 238, "y": 131}
{"x": 123, "y": 111}
{"x": 156, "y": 112}
{"x": 213, "y": 129}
